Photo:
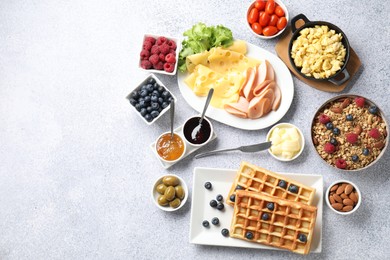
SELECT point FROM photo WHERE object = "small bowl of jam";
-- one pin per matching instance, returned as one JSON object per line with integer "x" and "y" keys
{"x": 170, "y": 149}
{"x": 197, "y": 134}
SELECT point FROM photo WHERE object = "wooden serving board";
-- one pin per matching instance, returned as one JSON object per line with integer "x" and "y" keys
{"x": 353, "y": 65}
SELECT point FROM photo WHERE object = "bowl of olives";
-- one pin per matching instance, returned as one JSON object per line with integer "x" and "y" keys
{"x": 150, "y": 99}
{"x": 170, "y": 192}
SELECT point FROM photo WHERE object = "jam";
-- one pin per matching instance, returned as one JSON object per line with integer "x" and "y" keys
{"x": 170, "y": 149}
{"x": 195, "y": 133}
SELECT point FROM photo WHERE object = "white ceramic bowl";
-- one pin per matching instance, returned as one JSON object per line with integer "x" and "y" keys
{"x": 341, "y": 212}
{"x": 177, "y": 55}
{"x": 286, "y": 125}
{"x": 262, "y": 36}
{"x": 139, "y": 86}
{"x": 181, "y": 156}
{"x": 204, "y": 143}
{"x": 155, "y": 194}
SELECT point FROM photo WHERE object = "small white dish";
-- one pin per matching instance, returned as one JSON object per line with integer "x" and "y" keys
{"x": 182, "y": 140}
{"x": 177, "y": 55}
{"x": 221, "y": 180}
{"x": 155, "y": 194}
{"x": 341, "y": 212}
{"x": 189, "y": 149}
{"x": 204, "y": 119}
{"x": 286, "y": 125}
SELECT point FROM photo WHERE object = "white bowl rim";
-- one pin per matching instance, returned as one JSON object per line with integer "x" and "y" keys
{"x": 340, "y": 212}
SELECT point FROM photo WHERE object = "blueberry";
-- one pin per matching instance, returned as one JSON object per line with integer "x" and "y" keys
{"x": 336, "y": 131}
{"x": 302, "y": 238}
{"x": 142, "y": 88}
{"x": 149, "y": 109}
{"x": 213, "y": 203}
{"x": 134, "y": 95}
{"x": 138, "y": 107}
{"x": 133, "y": 101}
{"x": 144, "y": 93}
{"x": 329, "y": 125}
{"x": 156, "y": 93}
{"x": 233, "y": 197}
{"x": 141, "y": 99}
{"x": 355, "y": 158}
{"x": 208, "y": 185}
{"x": 160, "y": 109}
{"x": 225, "y": 232}
{"x": 142, "y": 104}
{"x": 151, "y": 80}
{"x": 334, "y": 141}
{"x": 373, "y": 110}
{"x": 170, "y": 99}
{"x": 270, "y": 206}
{"x": 160, "y": 100}
{"x": 205, "y": 223}
{"x": 249, "y": 235}
{"x": 220, "y": 206}
{"x": 219, "y": 197}
{"x": 164, "y": 105}
{"x": 215, "y": 221}
{"x": 238, "y": 187}
{"x": 282, "y": 184}
{"x": 143, "y": 111}
{"x": 149, "y": 88}
{"x": 349, "y": 117}
{"x": 293, "y": 189}
{"x": 148, "y": 118}
{"x": 165, "y": 95}
{"x": 366, "y": 152}
{"x": 160, "y": 89}
{"x": 154, "y": 98}
{"x": 155, "y": 106}
{"x": 154, "y": 113}
{"x": 265, "y": 216}
{"x": 147, "y": 99}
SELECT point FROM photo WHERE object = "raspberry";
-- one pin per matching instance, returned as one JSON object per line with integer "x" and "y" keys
{"x": 147, "y": 46}
{"x": 144, "y": 55}
{"x": 374, "y": 133}
{"x": 150, "y": 39}
{"x": 170, "y": 58}
{"x": 329, "y": 148}
{"x": 324, "y": 119}
{"x": 359, "y": 101}
{"x": 161, "y": 57}
{"x": 169, "y": 67}
{"x": 145, "y": 64}
{"x": 161, "y": 40}
{"x": 159, "y": 65}
{"x": 155, "y": 50}
{"x": 172, "y": 44}
{"x": 154, "y": 59}
{"x": 164, "y": 48}
{"x": 173, "y": 52}
{"x": 341, "y": 164}
{"x": 351, "y": 138}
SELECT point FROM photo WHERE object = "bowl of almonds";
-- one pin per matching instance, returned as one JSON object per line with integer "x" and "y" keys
{"x": 343, "y": 197}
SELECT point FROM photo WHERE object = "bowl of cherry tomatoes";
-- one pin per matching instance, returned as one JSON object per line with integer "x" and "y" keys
{"x": 267, "y": 19}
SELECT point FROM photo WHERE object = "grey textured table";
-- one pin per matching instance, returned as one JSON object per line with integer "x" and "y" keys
{"x": 76, "y": 170}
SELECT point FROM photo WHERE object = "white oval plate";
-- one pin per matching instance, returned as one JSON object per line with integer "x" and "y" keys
{"x": 283, "y": 79}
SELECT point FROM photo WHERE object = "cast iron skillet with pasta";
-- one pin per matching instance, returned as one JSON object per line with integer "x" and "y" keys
{"x": 310, "y": 24}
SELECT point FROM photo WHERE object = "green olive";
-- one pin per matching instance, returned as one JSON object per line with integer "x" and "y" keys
{"x": 175, "y": 203}
{"x": 161, "y": 188}
{"x": 170, "y": 193}
{"x": 171, "y": 181}
{"x": 162, "y": 200}
{"x": 179, "y": 192}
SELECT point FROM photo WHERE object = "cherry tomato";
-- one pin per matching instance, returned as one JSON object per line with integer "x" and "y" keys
{"x": 264, "y": 19}
{"x": 260, "y": 5}
{"x": 260, "y": 14}
{"x": 270, "y": 30}
{"x": 270, "y": 7}
{"x": 282, "y": 22}
{"x": 256, "y": 27}
{"x": 253, "y": 16}
{"x": 279, "y": 11}
{"x": 274, "y": 20}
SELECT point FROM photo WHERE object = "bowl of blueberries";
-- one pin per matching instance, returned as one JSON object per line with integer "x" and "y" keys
{"x": 151, "y": 99}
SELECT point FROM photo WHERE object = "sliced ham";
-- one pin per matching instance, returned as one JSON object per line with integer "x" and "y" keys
{"x": 261, "y": 105}
{"x": 239, "y": 109}
{"x": 247, "y": 89}
{"x": 278, "y": 98}
{"x": 270, "y": 73}
{"x": 261, "y": 73}
{"x": 265, "y": 85}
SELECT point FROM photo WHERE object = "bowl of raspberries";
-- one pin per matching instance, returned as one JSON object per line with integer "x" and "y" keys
{"x": 159, "y": 54}
{"x": 350, "y": 132}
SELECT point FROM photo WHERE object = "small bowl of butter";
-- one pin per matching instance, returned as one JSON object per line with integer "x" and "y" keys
{"x": 287, "y": 142}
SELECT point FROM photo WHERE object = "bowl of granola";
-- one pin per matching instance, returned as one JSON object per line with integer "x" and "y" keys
{"x": 349, "y": 132}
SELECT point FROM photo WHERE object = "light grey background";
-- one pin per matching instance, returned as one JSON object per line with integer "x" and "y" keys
{"x": 75, "y": 167}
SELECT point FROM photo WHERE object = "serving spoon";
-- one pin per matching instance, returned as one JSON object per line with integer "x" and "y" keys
{"x": 196, "y": 130}
{"x": 172, "y": 110}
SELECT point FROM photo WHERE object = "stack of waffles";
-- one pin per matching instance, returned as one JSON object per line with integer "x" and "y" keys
{"x": 271, "y": 209}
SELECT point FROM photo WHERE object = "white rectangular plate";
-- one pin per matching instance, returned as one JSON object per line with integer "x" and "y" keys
{"x": 221, "y": 180}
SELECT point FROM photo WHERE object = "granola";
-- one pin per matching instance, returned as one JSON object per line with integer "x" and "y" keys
{"x": 349, "y": 133}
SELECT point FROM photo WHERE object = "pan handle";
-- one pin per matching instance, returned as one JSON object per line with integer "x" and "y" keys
{"x": 296, "y": 19}
{"x": 341, "y": 81}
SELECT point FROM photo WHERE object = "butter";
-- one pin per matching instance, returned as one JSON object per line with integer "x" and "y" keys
{"x": 286, "y": 142}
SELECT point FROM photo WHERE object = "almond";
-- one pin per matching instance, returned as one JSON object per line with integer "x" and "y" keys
{"x": 315, "y": 141}
{"x": 332, "y": 200}
{"x": 334, "y": 187}
{"x": 348, "y": 189}
{"x": 347, "y": 208}
{"x": 357, "y": 129}
{"x": 340, "y": 190}
{"x": 337, "y": 206}
{"x": 353, "y": 197}
{"x": 345, "y": 103}
{"x": 344, "y": 196}
{"x": 379, "y": 144}
{"x": 337, "y": 198}
{"x": 348, "y": 202}
{"x": 337, "y": 110}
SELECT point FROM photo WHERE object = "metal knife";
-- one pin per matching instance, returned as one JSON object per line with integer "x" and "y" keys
{"x": 246, "y": 149}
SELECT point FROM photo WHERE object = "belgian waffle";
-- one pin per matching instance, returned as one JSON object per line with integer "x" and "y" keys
{"x": 289, "y": 225}
{"x": 253, "y": 178}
